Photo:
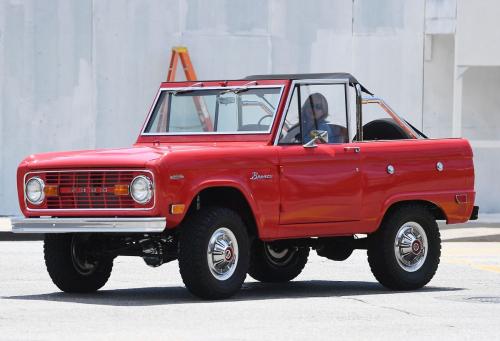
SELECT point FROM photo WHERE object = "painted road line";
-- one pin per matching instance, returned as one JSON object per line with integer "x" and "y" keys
{"x": 481, "y": 256}
{"x": 490, "y": 268}
{"x": 456, "y": 261}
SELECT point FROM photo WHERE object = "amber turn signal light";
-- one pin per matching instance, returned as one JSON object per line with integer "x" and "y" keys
{"x": 121, "y": 189}
{"x": 177, "y": 209}
{"x": 50, "y": 190}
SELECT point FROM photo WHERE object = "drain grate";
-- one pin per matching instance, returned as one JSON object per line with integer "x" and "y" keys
{"x": 484, "y": 299}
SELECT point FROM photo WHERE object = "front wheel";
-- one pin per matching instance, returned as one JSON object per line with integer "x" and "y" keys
{"x": 214, "y": 252}
{"x": 404, "y": 253}
{"x": 276, "y": 262}
{"x": 71, "y": 265}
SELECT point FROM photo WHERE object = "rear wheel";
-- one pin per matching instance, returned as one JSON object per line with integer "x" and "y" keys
{"x": 404, "y": 253}
{"x": 71, "y": 265}
{"x": 276, "y": 262}
{"x": 214, "y": 252}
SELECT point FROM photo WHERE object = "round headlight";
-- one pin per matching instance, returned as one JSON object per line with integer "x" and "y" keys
{"x": 141, "y": 189}
{"x": 34, "y": 190}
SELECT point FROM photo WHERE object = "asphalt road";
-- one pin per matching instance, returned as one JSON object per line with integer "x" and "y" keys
{"x": 329, "y": 300}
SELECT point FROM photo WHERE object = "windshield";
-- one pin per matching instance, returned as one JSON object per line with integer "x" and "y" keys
{"x": 233, "y": 110}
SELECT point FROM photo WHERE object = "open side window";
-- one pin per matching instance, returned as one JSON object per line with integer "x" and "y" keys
{"x": 314, "y": 109}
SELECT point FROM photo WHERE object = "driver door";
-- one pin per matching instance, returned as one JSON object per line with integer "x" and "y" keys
{"x": 322, "y": 183}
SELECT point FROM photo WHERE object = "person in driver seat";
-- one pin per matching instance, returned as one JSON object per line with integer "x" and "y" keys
{"x": 314, "y": 114}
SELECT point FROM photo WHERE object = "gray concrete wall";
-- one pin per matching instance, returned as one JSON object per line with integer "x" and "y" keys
{"x": 480, "y": 118}
{"x": 438, "y": 87}
{"x": 82, "y": 74}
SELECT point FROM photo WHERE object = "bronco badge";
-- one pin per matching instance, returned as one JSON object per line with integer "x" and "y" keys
{"x": 256, "y": 176}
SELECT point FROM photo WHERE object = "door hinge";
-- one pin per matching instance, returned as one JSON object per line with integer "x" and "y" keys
{"x": 281, "y": 208}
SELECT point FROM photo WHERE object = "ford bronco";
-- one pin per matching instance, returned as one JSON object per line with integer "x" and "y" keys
{"x": 246, "y": 177}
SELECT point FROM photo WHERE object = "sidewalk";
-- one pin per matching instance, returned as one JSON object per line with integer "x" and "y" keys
{"x": 7, "y": 235}
{"x": 5, "y": 224}
{"x": 485, "y": 229}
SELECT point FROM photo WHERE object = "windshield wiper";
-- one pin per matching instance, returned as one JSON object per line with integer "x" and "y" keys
{"x": 239, "y": 89}
{"x": 187, "y": 89}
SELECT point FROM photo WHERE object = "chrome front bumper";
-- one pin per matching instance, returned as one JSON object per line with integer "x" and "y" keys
{"x": 70, "y": 225}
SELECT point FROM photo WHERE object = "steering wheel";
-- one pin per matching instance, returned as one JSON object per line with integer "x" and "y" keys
{"x": 261, "y": 119}
{"x": 285, "y": 125}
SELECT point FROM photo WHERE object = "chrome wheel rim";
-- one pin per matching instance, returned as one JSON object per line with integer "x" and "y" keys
{"x": 79, "y": 255}
{"x": 222, "y": 254}
{"x": 279, "y": 256}
{"x": 410, "y": 246}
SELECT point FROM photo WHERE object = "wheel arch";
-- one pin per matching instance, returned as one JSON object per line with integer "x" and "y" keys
{"x": 433, "y": 208}
{"x": 230, "y": 197}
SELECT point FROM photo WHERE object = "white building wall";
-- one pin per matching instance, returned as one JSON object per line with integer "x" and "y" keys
{"x": 478, "y": 32}
{"x": 440, "y": 16}
{"x": 461, "y": 36}
{"x": 480, "y": 124}
{"x": 438, "y": 87}
{"x": 82, "y": 74}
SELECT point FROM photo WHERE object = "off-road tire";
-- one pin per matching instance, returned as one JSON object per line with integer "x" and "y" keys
{"x": 263, "y": 269}
{"x": 381, "y": 254}
{"x": 197, "y": 231}
{"x": 63, "y": 272}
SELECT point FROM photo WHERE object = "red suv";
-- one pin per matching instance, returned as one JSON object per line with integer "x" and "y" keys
{"x": 247, "y": 176}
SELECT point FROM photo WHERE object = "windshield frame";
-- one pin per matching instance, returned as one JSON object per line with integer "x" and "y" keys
{"x": 221, "y": 88}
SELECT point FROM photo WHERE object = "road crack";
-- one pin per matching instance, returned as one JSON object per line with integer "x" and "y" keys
{"x": 381, "y": 306}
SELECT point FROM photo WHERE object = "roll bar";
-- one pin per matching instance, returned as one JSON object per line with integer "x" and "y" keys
{"x": 392, "y": 113}
{"x": 367, "y": 100}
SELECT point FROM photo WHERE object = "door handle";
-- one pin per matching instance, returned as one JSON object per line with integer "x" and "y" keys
{"x": 356, "y": 149}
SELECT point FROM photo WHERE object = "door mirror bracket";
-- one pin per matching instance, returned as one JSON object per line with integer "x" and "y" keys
{"x": 318, "y": 136}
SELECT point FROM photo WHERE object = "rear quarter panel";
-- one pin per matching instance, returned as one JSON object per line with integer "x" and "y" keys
{"x": 416, "y": 176}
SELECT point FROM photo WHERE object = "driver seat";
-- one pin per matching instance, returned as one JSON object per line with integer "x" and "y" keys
{"x": 339, "y": 134}
{"x": 254, "y": 127}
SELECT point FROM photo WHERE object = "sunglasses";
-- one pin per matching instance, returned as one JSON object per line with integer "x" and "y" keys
{"x": 318, "y": 106}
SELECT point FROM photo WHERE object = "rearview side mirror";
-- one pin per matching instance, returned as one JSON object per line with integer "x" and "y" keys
{"x": 318, "y": 136}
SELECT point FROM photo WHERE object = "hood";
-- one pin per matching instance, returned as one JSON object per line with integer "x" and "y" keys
{"x": 134, "y": 157}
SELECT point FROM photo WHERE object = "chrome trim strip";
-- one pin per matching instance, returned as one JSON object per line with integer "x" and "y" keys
{"x": 391, "y": 112}
{"x": 90, "y": 209}
{"x": 214, "y": 132}
{"x": 348, "y": 112}
{"x": 70, "y": 225}
{"x": 289, "y": 98}
{"x": 359, "y": 113}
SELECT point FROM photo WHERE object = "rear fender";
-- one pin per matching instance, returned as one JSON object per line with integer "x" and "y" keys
{"x": 451, "y": 211}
